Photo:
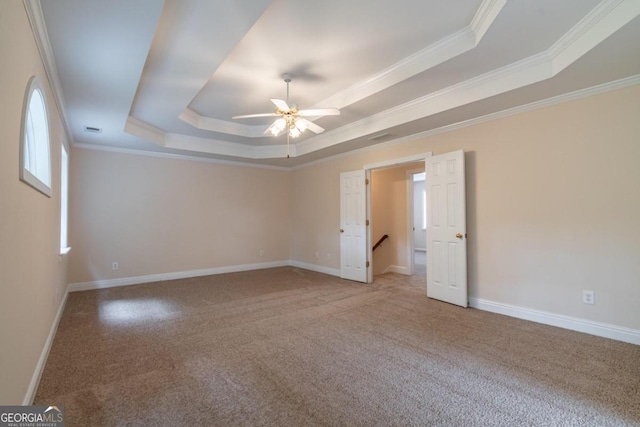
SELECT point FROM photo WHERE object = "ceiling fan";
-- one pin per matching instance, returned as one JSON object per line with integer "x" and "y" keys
{"x": 290, "y": 119}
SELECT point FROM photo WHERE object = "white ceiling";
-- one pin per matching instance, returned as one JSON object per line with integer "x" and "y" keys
{"x": 168, "y": 75}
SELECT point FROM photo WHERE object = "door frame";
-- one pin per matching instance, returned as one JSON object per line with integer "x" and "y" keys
{"x": 384, "y": 165}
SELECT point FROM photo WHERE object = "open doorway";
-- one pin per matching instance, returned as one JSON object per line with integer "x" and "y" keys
{"x": 446, "y": 229}
{"x": 397, "y": 211}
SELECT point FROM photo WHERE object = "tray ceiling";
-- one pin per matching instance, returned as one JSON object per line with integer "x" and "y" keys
{"x": 168, "y": 76}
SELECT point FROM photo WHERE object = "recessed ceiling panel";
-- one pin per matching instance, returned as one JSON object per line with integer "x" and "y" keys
{"x": 326, "y": 46}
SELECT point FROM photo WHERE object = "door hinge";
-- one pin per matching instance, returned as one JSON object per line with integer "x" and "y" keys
{"x": 367, "y": 223}
{"x": 366, "y": 181}
{"x": 368, "y": 264}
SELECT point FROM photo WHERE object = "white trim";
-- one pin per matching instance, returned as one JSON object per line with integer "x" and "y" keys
{"x": 42, "y": 361}
{"x": 397, "y": 269}
{"x": 484, "y": 17}
{"x": 548, "y": 102}
{"x": 567, "y": 97}
{"x": 609, "y": 16}
{"x": 533, "y": 69}
{"x": 177, "y": 141}
{"x": 136, "y": 280}
{"x": 435, "y": 54}
{"x": 35, "y": 178}
{"x": 41, "y": 36}
{"x": 398, "y": 162}
{"x": 596, "y": 26}
{"x": 163, "y": 155}
{"x": 448, "y": 47}
{"x": 222, "y": 126}
{"x": 314, "y": 267}
{"x": 382, "y": 165}
{"x": 602, "y": 21}
{"x": 599, "y": 329}
{"x": 582, "y": 37}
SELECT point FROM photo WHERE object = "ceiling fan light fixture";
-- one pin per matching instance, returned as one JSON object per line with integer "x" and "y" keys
{"x": 290, "y": 120}
{"x": 280, "y": 124}
{"x": 274, "y": 129}
{"x": 301, "y": 125}
{"x": 294, "y": 131}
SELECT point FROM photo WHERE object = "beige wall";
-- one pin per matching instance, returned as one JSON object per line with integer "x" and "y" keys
{"x": 155, "y": 215}
{"x": 553, "y": 208}
{"x": 32, "y": 275}
{"x": 389, "y": 216}
{"x": 552, "y": 200}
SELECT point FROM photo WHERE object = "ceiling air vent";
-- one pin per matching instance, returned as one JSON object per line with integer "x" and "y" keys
{"x": 92, "y": 129}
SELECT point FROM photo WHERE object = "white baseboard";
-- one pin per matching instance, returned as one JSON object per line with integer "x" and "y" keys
{"x": 136, "y": 280}
{"x": 42, "y": 361}
{"x": 314, "y": 267}
{"x": 397, "y": 269}
{"x": 605, "y": 330}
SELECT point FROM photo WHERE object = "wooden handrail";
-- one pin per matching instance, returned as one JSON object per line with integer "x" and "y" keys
{"x": 382, "y": 239}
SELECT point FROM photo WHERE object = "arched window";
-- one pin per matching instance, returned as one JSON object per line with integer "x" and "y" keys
{"x": 35, "y": 152}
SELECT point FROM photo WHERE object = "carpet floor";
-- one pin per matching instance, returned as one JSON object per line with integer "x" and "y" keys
{"x": 290, "y": 347}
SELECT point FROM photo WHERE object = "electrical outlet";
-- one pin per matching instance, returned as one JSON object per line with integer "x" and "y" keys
{"x": 317, "y": 255}
{"x": 261, "y": 252}
{"x": 328, "y": 256}
{"x": 114, "y": 265}
{"x": 588, "y": 297}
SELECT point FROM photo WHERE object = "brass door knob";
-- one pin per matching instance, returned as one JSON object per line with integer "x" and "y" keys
{"x": 342, "y": 230}
{"x": 459, "y": 235}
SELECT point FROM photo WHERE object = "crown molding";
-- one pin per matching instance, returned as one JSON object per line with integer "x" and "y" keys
{"x": 41, "y": 36}
{"x": 484, "y": 17}
{"x": 441, "y": 51}
{"x": 144, "y": 131}
{"x": 176, "y": 141}
{"x": 596, "y": 26}
{"x": 572, "y": 96}
{"x": 512, "y": 76}
{"x": 164, "y": 155}
{"x": 215, "y": 125}
{"x": 602, "y": 21}
{"x": 137, "y": 127}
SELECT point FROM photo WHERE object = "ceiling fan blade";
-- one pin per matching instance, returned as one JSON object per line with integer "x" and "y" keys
{"x": 282, "y": 105}
{"x": 312, "y": 126}
{"x": 247, "y": 116}
{"x": 320, "y": 112}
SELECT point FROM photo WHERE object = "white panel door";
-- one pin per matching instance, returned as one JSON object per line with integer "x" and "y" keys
{"x": 353, "y": 229}
{"x": 446, "y": 228}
